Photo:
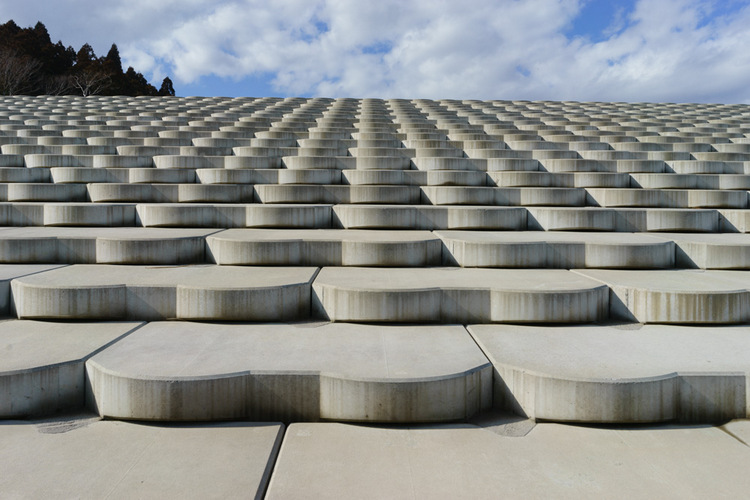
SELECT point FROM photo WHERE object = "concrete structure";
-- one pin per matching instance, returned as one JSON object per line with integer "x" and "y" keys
{"x": 383, "y": 261}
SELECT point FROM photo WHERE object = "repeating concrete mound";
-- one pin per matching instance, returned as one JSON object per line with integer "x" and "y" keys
{"x": 368, "y": 260}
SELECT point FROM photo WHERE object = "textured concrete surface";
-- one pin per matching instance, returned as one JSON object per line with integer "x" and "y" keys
{"x": 80, "y": 456}
{"x": 629, "y": 212}
{"x": 325, "y": 247}
{"x": 291, "y": 372}
{"x": 42, "y": 367}
{"x": 623, "y": 373}
{"x": 85, "y": 291}
{"x": 330, "y": 460}
{"x": 452, "y": 295}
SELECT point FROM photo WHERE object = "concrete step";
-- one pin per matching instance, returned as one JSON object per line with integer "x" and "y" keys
{"x": 676, "y": 296}
{"x": 458, "y": 295}
{"x": 291, "y": 372}
{"x": 205, "y": 292}
{"x": 103, "y": 245}
{"x": 549, "y": 249}
{"x": 619, "y": 373}
{"x": 323, "y": 247}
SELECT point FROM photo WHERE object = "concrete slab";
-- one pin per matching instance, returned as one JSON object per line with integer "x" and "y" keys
{"x": 619, "y": 373}
{"x": 535, "y": 249}
{"x": 428, "y": 217}
{"x": 552, "y": 460}
{"x": 676, "y": 296}
{"x": 208, "y": 292}
{"x": 106, "y": 245}
{"x": 42, "y": 370}
{"x": 463, "y": 295}
{"x": 83, "y": 457}
{"x": 291, "y": 372}
{"x": 224, "y": 216}
{"x": 324, "y": 247}
{"x": 712, "y": 251}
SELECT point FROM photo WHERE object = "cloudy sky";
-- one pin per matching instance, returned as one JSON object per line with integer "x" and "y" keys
{"x": 619, "y": 50}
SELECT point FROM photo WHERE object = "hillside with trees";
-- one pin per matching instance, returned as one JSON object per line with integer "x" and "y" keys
{"x": 30, "y": 64}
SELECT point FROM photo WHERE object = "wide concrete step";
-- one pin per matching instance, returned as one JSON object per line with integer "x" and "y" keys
{"x": 676, "y": 296}
{"x": 291, "y": 372}
{"x": 233, "y": 215}
{"x": 324, "y": 247}
{"x": 549, "y": 249}
{"x": 645, "y": 373}
{"x": 458, "y": 295}
{"x": 205, "y": 292}
{"x": 103, "y": 245}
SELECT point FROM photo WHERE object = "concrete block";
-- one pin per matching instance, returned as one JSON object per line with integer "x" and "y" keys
{"x": 618, "y": 373}
{"x": 324, "y": 247}
{"x": 450, "y": 295}
{"x": 291, "y": 372}
{"x": 148, "y": 293}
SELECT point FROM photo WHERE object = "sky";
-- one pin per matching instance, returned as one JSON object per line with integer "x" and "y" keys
{"x": 578, "y": 50}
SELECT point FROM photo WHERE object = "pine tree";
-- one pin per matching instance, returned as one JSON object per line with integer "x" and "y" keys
{"x": 166, "y": 87}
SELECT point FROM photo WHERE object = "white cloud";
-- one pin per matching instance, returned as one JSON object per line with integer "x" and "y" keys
{"x": 666, "y": 50}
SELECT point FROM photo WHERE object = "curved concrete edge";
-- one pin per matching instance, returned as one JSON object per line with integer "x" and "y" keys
{"x": 472, "y": 250}
{"x": 688, "y": 301}
{"x": 234, "y": 215}
{"x": 301, "y": 394}
{"x": 170, "y": 299}
{"x": 429, "y": 217}
{"x": 69, "y": 302}
{"x": 453, "y": 304}
{"x": 336, "y": 249}
{"x": 177, "y": 250}
{"x": 685, "y": 396}
{"x": 273, "y": 303}
{"x": 439, "y": 399}
{"x": 56, "y": 383}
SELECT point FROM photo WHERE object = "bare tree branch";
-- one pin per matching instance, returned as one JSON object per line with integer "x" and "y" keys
{"x": 90, "y": 82}
{"x": 18, "y": 74}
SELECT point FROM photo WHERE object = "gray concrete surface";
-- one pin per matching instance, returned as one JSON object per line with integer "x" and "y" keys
{"x": 42, "y": 368}
{"x": 458, "y": 295}
{"x": 624, "y": 373}
{"x": 331, "y": 460}
{"x": 208, "y": 292}
{"x": 80, "y": 456}
{"x": 291, "y": 372}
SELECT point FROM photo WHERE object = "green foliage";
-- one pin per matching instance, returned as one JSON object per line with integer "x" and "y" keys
{"x": 30, "y": 64}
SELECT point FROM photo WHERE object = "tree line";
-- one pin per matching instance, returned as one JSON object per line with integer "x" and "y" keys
{"x": 30, "y": 64}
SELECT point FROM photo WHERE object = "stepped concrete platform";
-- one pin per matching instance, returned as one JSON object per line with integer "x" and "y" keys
{"x": 324, "y": 247}
{"x": 619, "y": 373}
{"x": 676, "y": 296}
{"x": 450, "y": 295}
{"x": 103, "y": 245}
{"x": 291, "y": 372}
{"x": 567, "y": 250}
{"x": 83, "y": 291}
{"x": 399, "y": 223}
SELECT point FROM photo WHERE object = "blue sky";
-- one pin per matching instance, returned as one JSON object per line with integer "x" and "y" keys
{"x": 629, "y": 50}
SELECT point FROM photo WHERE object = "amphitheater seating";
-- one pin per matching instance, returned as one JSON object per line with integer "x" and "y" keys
{"x": 366, "y": 260}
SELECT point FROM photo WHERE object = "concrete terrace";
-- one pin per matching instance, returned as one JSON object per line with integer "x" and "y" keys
{"x": 364, "y": 298}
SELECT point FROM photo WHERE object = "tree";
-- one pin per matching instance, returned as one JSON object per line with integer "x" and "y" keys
{"x": 166, "y": 87}
{"x": 90, "y": 81}
{"x": 18, "y": 74}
